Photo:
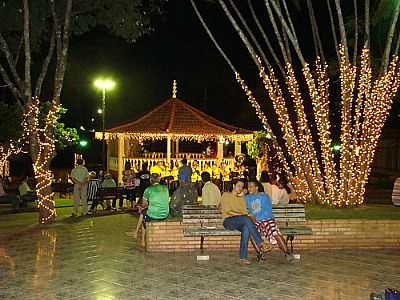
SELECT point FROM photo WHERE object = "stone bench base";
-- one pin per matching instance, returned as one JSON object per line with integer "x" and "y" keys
{"x": 327, "y": 234}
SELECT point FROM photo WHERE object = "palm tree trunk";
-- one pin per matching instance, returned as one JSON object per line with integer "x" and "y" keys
{"x": 333, "y": 28}
{"x": 366, "y": 25}
{"x": 250, "y": 33}
{"x": 277, "y": 33}
{"x": 355, "y": 50}
{"x": 389, "y": 41}
{"x": 265, "y": 37}
{"x": 343, "y": 36}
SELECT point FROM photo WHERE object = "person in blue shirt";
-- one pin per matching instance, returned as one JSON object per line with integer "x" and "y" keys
{"x": 259, "y": 206}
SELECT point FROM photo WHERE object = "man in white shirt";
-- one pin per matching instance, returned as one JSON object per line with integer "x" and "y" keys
{"x": 80, "y": 177}
{"x": 211, "y": 195}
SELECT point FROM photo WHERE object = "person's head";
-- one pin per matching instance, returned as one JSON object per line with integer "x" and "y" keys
{"x": 145, "y": 166}
{"x": 79, "y": 161}
{"x": 108, "y": 176}
{"x": 128, "y": 165}
{"x": 239, "y": 186}
{"x": 155, "y": 178}
{"x": 223, "y": 165}
{"x": 274, "y": 179}
{"x": 253, "y": 186}
{"x": 264, "y": 177}
{"x": 184, "y": 161}
{"x": 205, "y": 177}
{"x": 206, "y": 165}
{"x": 284, "y": 184}
{"x": 160, "y": 163}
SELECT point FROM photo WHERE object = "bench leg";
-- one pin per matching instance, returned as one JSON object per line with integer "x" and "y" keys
{"x": 290, "y": 238}
{"x": 202, "y": 244}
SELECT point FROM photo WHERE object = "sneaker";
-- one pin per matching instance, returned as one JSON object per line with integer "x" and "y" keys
{"x": 290, "y": 258}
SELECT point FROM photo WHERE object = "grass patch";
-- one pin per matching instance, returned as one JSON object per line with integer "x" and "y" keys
{"x": 368, "y": 212}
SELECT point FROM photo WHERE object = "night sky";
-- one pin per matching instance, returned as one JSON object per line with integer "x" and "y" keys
{"x": 178, "y": 49}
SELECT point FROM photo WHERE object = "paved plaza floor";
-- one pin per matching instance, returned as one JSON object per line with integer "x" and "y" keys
{"x": 94, "y": 258}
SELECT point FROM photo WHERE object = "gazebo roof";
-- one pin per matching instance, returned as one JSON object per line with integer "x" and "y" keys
{"x": 179, "y": 120}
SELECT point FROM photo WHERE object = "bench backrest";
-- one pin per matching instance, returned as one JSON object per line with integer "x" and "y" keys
{"x": 109, "y": 192}
{"x": 211, "y": 216}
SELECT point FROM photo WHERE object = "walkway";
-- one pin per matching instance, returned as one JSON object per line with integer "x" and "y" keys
{"x": 95, "y": 259}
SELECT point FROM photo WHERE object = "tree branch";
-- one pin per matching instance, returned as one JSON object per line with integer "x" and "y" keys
{"x": 28, "y": 83}
{"x": 366, "y": 28}
{"x": 333, "y": 28}
{"x": 46, "y": 63}
{"x": 10, "y": 61}
{"x": 62, "y": 60}
{"x": 16, "y": 93}
{"x": 355, "y": 50}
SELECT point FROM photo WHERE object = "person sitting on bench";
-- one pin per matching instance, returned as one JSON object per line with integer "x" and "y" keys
{"x": 155, "y": 204}
{"x": 108, "y": 182}
{"x": 210, "y": 193}
{"x": 236, "y": 217}
{"x": 93, "y": 185}
{"x": 25, "y": 193}
{"x": 260, "y": 208}
{"x": 9, "y": 198}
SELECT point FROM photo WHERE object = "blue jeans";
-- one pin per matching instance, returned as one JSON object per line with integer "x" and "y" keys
{"x": 247, "y": 229}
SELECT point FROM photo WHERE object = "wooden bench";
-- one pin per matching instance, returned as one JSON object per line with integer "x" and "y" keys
{"x": 109, "y": 193}
{"x": 201, "y": 221}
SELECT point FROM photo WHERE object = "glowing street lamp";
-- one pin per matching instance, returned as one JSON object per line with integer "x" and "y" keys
{"x": 104, "y": 85}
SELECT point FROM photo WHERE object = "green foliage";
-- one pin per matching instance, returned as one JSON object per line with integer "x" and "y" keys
{"x": 256, "y": 147}
{"x": 10, "y": 122}
{"x": 11, "y": 129}
{"x": 128, "y": 19}
{"x": 63, "y": 136}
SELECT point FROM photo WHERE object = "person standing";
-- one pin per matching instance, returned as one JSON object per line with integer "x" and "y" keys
{"x": 128, "y": 178}
{"x": 211, "y": 195}
{"x": 236, "y": 217}
{"x": 185, "y": 173}
{"x": 266, "y": 183}
{"x": 144, "y": 177}
{"x": 80, "y": 176}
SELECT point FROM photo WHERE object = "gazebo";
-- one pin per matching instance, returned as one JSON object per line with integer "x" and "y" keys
{"x": 173, "y": 121}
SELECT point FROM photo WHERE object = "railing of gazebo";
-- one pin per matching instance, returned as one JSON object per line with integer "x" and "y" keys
{"x": 154, "y": 158}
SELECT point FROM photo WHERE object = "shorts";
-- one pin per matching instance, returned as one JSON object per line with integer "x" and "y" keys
{"x": 269, "y": 229}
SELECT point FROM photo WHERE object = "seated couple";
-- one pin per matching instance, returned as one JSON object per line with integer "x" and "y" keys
{"x": 155, "y": 204}
{"x": 251, "y": 214}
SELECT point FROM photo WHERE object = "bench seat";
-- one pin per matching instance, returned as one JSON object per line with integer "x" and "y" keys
{"x": 290, "y": 219}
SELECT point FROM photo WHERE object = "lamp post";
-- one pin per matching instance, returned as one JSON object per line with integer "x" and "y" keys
{"x": 104, "y": 85}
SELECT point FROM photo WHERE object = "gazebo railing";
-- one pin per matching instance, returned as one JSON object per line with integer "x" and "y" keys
{"x": 161, "y": 155}
{"x": 138, "y": 162}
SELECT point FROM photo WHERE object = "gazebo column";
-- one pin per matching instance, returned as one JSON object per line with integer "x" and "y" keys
{"x": 177, "y": 148}
{"x": 169, "y": 150}
{"x": 220, "y": 151}
{"x": 121, "y": 154}
{"x": 238, "y": 148}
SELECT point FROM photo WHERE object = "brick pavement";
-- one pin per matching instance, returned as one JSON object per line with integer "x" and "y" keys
{"x": 95, "y": 259}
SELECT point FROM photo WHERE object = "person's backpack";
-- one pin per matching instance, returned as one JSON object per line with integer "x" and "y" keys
{"x": 392, "y": 294}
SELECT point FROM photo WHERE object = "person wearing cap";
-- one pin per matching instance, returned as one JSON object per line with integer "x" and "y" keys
{"x": 80, "y": 176}
{"x": 155, "y": 204}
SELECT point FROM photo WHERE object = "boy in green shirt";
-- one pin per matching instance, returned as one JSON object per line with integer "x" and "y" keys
{"x": 156, "y": 203}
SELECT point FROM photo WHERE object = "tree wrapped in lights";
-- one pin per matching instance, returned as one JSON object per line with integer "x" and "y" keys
{"x": 366, "y": 93}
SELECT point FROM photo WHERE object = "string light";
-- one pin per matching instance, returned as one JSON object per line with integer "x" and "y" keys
{"x": 365, "y": 107}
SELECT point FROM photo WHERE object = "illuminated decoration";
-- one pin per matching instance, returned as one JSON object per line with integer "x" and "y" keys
{"x": 174, "y": 89}
{"x": 363, "y": 115}
{"x": 99, "y": 111}
{"x": 44, "y": 152}
{"x": 83, "y": 143}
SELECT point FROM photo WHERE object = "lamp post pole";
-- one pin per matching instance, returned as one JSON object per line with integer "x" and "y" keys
{"x": 104, "y": 85}
{"x": 104, "y": 128}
